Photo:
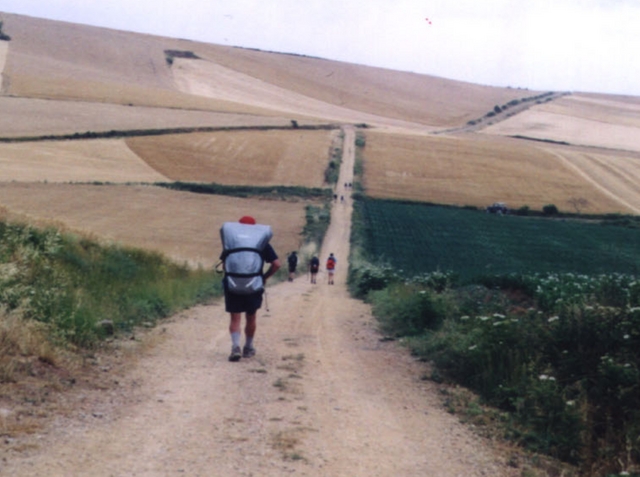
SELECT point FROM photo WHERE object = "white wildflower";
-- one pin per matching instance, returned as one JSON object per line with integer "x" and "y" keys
{"x": 553, "y": 318}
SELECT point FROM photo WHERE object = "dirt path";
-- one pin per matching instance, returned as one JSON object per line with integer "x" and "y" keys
{"x": 323, "y": 397}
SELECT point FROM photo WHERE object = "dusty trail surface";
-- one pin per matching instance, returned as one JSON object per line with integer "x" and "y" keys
{"x": 322, "y": 397}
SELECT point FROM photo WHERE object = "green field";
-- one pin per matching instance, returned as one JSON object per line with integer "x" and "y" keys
{"x": 420, "y": 238}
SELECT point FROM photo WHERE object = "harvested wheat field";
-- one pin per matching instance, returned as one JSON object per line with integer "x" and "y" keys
{"x": 616, "y": 174}
{"x": 582, "y": 120}
{"x": 400, "y": 97}
{"x": 104, "y": 160}
{"x": 212, "y": 80}
{"x": 471, "y": 171}
{"x": 4, "y": 48}
{"x": 262, "y": 158}
{"x": 27, "y": 117}
{"x": 181, "y": 225}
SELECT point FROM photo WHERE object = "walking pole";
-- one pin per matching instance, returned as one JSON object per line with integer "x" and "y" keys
{"x": 266, "y": 302}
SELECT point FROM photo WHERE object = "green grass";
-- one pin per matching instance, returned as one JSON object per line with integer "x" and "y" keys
{"x": 70, "y": 284}
{"x": 418, "y": 238}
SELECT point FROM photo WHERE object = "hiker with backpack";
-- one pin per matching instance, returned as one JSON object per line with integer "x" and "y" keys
{"x": 246, "y": 248}
{"x": 331, "y": 268}
{"x": 292, "y": 259}
{"x": 314, "y": 266}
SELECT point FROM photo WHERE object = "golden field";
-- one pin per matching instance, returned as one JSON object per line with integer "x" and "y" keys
{"x": 60, "y": 79}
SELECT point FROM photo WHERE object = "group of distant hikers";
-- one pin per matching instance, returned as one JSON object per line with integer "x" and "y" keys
{"x": 245, "y": 250}
{"x": 314, "y": 267}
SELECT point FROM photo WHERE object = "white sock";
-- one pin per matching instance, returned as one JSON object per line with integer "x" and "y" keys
{"x": 235, "y": 338}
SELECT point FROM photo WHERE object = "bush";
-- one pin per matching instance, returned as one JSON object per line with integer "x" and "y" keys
{"x": 365, "y": 277}
{"x": 408, "y": 310}
{"x": 550, "y": 209}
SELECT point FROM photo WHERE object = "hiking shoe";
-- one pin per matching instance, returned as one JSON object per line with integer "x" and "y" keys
{"x": 235, "y": 354}
{"x": 248, "y": 351}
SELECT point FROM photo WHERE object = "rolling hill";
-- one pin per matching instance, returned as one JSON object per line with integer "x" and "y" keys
{"x": 236, "y": 109}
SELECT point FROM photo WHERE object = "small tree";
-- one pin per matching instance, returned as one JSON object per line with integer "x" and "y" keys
{"x": 578, "y": 203}
{"x": 550, "y": 209}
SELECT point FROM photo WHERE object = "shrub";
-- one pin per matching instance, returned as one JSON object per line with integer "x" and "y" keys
{"x": 408, "y": 310}
{"x": 365, "y": 277}
{"x": 3, "y": 35}
{"x": 550, "y": 209}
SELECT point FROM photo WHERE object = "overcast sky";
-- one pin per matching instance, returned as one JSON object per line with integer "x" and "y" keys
{"x": 562, "y": 45}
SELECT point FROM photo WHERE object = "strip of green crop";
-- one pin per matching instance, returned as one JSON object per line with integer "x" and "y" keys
{"x": 418, "y": 238}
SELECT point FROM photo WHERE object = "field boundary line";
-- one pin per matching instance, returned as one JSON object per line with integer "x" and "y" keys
{"x": 165, "y": 131}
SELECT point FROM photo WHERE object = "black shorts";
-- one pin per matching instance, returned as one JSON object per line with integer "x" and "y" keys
{"x": 234, "y": 303}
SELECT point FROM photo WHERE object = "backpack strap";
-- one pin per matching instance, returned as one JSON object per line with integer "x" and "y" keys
{"x": 226, "y": 253}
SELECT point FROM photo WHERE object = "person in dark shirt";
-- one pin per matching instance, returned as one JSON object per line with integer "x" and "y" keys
{"x": 249, "y": 304}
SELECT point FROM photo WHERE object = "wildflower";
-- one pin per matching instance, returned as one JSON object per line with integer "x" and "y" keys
{"x": 483, "y": 318}
{"x": 553, "y": 318}
{"x": 570, "y": 403}
{"x": 543, "y": 377}
{"x": 465, "y": 317}
{"x": 498, "y": 315}
{"x": 471, "y": 348}
{"x": 626, "y": 337}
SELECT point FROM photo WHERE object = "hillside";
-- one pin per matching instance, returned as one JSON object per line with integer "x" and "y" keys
{"x": 61, "y": 78}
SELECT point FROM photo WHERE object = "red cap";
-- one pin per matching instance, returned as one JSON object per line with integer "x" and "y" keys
{"x": 247, "y": 219}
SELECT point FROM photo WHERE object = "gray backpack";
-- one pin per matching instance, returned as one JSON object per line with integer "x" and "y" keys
{"x": 242, "y": 245}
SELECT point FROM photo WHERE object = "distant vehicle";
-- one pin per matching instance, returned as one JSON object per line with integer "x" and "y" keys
{"x": 498, "y": 208}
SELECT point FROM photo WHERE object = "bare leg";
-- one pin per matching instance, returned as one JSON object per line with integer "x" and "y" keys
{"x": 250, "y": 326}
{"x": 234, "y": 324}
